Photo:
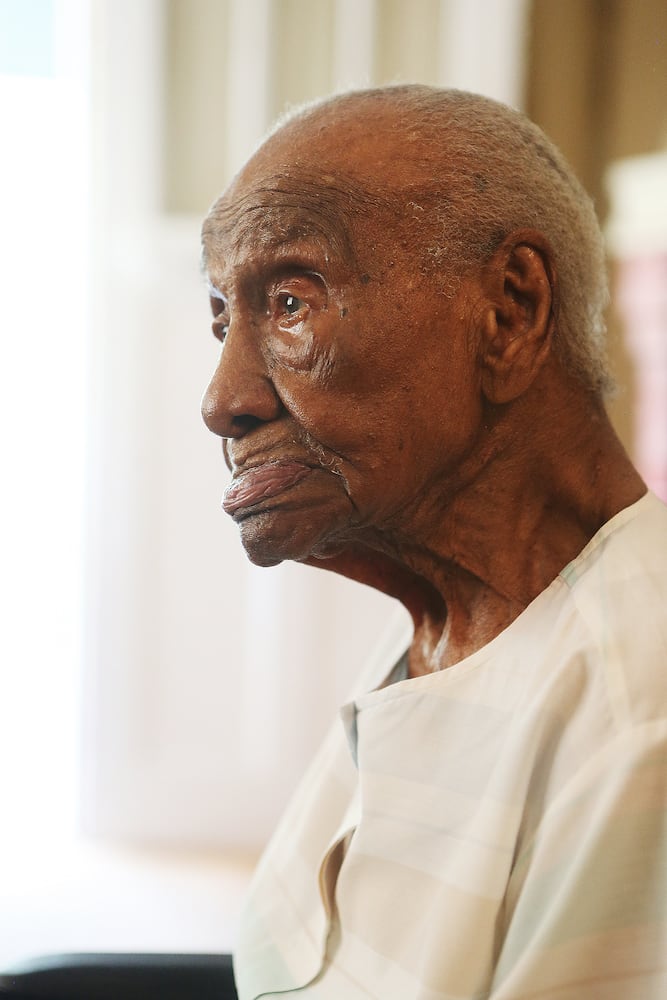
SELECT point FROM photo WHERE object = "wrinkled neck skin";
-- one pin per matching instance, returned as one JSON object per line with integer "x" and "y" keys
{"x": 546, "y": 472}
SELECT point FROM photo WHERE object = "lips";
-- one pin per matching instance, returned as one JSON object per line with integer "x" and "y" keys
{"x": 262, "y": 483}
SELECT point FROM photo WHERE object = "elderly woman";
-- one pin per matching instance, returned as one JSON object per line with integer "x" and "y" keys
{"x": 408, "y": 285}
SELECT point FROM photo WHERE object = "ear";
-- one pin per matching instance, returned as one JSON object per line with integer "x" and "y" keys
{"x": 520, "y": 315}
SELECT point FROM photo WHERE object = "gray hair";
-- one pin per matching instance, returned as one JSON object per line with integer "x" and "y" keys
{"x": 489, "y": 171}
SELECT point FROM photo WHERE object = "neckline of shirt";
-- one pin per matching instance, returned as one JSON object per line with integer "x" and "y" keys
{"x": 395, "y": 682}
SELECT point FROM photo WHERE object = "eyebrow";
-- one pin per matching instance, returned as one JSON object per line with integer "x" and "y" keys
{"x": 214, "y": 293}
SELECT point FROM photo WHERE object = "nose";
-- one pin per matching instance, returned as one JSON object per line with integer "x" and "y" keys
{"x": 240, "y": 396}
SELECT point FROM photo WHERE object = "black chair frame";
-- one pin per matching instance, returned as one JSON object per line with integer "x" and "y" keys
{"x": 112, "y": 976}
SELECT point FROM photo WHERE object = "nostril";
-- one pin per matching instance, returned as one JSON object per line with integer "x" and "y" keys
{"x": 223, "y": 422}
{"x": 244, "y": 423}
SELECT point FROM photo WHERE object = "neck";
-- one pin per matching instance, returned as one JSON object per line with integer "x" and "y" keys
{"x": 545, "y": 474}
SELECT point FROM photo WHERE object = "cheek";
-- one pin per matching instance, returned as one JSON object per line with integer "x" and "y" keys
{"x": 317, "y": 376}
{"x": 311, "y": 350}
{"x": 304, "y": 355}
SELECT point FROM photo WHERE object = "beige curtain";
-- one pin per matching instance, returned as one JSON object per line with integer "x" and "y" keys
{"x": 596, "y": 81}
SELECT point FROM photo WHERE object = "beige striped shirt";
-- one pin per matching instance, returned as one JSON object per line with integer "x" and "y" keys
{"x": 498, "y": 829}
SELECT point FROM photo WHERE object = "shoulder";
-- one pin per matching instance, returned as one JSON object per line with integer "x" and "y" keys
{"x": 617, "y": 591}
{"x": 630, "y": 550}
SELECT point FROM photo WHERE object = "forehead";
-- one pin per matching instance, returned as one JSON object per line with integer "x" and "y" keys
{"x": 274, "y": 211}
{"x": 350, "y": 185}
{"x": 277, "y": 203}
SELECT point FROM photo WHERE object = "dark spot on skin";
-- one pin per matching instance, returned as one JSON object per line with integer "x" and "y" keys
{"x": 343, "y": 313}
{"x": 481, "y": 183}
{"x": 365, "y": 278}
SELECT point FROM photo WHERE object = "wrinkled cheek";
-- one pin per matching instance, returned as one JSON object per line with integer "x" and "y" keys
{"x": 302, "y": 353}
{"x": 319, "y": 397}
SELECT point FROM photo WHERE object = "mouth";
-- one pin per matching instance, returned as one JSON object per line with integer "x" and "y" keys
{"x": 262, "y": 483}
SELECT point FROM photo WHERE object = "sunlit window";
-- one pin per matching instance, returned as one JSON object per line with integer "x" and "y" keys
{"x": 43, "y": 318}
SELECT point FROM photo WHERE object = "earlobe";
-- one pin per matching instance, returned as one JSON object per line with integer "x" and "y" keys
{"x": 519, "y": 321}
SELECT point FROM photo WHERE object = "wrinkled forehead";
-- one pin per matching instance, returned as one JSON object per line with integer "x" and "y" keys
{"x": 290, "y": 207}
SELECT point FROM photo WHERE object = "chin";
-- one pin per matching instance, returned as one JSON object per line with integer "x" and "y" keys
{"x": 271, "y": 537}
{"x": 266, "y": 544}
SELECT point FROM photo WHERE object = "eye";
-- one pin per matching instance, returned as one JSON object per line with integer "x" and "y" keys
{"x": 291, "y": 304}
{"x": 295, "y": 300}
{"x": 220, "y": 311}
{"x": 220, "y": 327}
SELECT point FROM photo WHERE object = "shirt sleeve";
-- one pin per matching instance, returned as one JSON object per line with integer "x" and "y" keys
{"x": 585, "y": 915}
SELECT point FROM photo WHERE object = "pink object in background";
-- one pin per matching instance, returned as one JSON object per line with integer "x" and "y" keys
{"x": 637, "y": 237}
{"x": 642, "y": 301}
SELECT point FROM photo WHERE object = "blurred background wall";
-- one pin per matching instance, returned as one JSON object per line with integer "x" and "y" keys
{"x": 596, "y": 82}
{"x": 155, "y": 743}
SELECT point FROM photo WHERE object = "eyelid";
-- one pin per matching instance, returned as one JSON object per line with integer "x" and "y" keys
{"x": 308, "y": 287}
{"x": 218, "y": 304}
{"x": 298, "y": 276}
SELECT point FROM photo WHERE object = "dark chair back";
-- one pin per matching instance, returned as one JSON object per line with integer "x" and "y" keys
{"x": 121, "y": 977}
